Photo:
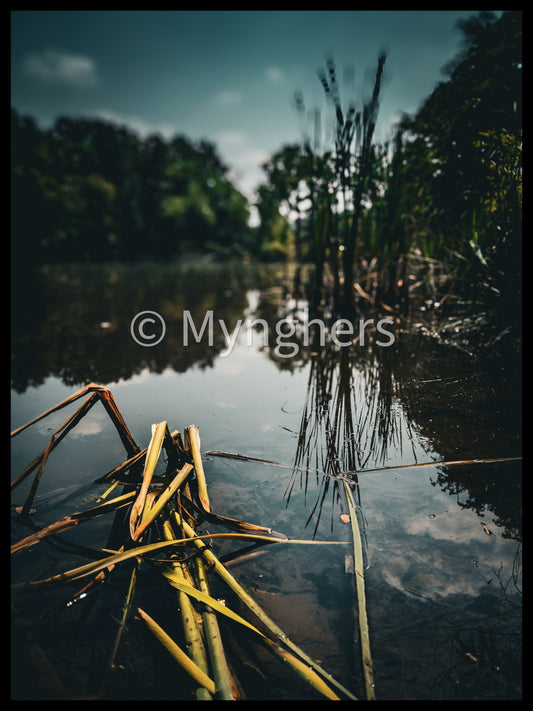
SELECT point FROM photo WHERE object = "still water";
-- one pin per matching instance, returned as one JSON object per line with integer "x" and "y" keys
{"x": 442, "y": 543}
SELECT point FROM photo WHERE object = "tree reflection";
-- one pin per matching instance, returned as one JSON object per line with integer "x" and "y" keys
{"x": 365, "y": 406}
{"x": 74, "y": 322}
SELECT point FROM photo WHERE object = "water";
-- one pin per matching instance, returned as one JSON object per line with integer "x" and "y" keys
{"x": 442, "y": 544}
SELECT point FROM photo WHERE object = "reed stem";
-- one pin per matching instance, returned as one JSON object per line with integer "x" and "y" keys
{"x": 192, "y": 441}
{"x": 234, "y": 585}
{"x": 361, "y": 597}
{"x": 179, "y": 655}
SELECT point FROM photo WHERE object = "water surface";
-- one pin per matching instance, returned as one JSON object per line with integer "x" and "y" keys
{"x": 442, "y": 543}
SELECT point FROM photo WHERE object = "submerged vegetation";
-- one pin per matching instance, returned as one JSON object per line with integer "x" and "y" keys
{"x": 160, "y": 512}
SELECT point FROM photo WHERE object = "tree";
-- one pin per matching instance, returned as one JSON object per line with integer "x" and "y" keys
{"x": 99, "y": 192}
{"x": 463, "y": 154}
{"x": 475, "y": 112}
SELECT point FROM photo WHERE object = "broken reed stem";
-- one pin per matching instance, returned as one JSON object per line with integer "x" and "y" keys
{"x": 72, "y": 520}
{"x": 130, "y": 462}
{"x": 361, "y": 597}
{"x": 232, "y": 583}
{"x": 342, "y": 477}
{"x": 162, "y": 500}
{"x": 122, "y": 555}
{"x": 109, "y": 404}
{"x": 125, "y": 613}
{"x": 152, "y": 456}
{"x": 97, "y": 391}
{"x": 59, "y": 406}
{"x": 199, "y": 676}
{"x": 55, "y": 439}
{"x": 455, "y": 463}
{"x": 116, "y": 417}
{"x": 219, "y": 665}
{"x": 191, "y": 621}
{"x": 192, "y": 441}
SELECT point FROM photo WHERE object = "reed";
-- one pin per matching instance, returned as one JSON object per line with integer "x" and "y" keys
{"x": 126, "y": 610}
{"x": 361, "y": 597}
{"x": 221, "y": 672}
{"x": 152, "y": 455}
{"x": 340, "y": 185}
{"x": 165, "y": 511}
{"x": 199, "y": 676}
{"x": 191, "y": 621}
{"x": 192, "y": 443}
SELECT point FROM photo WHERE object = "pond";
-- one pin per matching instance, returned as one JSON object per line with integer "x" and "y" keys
{"x": 407, "y": 423}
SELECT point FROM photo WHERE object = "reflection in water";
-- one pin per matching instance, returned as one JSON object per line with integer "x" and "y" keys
{"x": 440, "y": 587}
{"x": 366, "y": 406}
{"x": 493, "y": 646}
{"x": 74, "y": 323}
{"x": 351, "y": 420}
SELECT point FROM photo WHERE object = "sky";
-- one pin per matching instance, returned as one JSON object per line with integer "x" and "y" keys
{"x": 227, "y": 76}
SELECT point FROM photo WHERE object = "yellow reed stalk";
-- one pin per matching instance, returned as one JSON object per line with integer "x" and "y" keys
{"x": 221, "y": 673}
{"x": 194, "y": 671}
{"x": 192, "y": 439}
{"x": 122, "y": 555}
{"x": 162, "y": 500}
{"x": 191, "y": 620}
{"x": 152, "y": 456}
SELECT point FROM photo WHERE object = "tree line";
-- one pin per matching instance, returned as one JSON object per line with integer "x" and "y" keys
{"x": 89, "y": 190}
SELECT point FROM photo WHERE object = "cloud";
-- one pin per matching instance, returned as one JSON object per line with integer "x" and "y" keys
{"x": 231, "y": 139}
{"x": 60, "y": 67}
{"x": 274, "y": 74}
{"x": 229, "y": 97}
{"x": 136, "y": 124}
{"x": 84, "y": 429}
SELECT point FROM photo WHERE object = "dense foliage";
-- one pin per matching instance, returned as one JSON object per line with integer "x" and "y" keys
{"x": 88, "y": 190}
{"x": 448, "y": 188}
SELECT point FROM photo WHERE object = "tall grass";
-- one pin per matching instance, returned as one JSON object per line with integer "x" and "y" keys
{"x": 342, "y": 186}
{"x": 379, "y": 233}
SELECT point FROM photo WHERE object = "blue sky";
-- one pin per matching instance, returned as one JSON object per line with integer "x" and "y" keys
{"x": 226, "y": 76}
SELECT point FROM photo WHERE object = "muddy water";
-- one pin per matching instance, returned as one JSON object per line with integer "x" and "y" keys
{"x": 442, "y": 542}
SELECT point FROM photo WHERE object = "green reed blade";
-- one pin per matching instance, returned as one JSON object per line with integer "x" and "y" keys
{"x": 361, "y": 598}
